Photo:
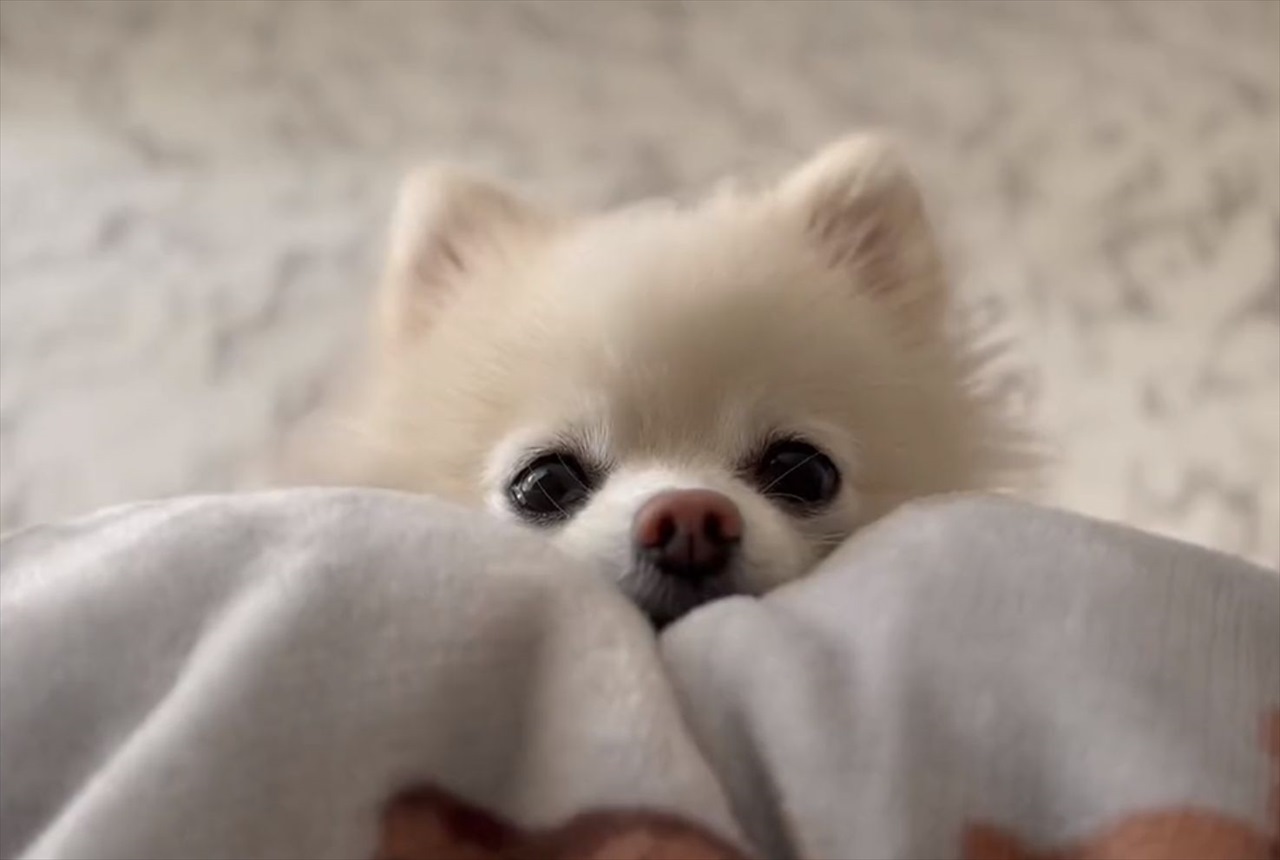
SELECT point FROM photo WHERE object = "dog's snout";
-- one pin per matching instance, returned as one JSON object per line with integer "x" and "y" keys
{"x": 688, "y": 533}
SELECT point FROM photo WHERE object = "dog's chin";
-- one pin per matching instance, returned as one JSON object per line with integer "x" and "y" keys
{"x": 665, "y": 599}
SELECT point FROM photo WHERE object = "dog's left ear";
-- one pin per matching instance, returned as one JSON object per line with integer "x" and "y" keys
{"x": 448, "y": 225}
{"x": 860, "y": 205}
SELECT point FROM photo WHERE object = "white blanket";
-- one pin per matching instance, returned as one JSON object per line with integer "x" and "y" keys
{"x": 257, "y": 676}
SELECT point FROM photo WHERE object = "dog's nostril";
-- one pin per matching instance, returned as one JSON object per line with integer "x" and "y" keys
{"x": 688, "y": 533}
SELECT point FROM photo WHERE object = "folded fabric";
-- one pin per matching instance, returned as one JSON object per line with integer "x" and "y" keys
{"x": 320, "y": 673}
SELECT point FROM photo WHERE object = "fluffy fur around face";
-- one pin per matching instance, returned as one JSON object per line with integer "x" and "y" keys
{"x": 664, "y": 346}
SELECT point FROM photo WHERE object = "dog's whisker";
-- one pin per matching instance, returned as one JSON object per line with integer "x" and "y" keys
{"x": 572, "y": 474}
{"x": 785, "y": 474}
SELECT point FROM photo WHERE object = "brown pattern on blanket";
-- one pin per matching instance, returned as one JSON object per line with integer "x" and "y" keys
{"x": 428, "y": 823}
{"x": 1169, "y": 834}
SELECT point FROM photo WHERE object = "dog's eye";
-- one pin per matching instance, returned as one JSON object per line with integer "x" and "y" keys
{"x": 550, "y": 488}
{"x": 797, "y": 474}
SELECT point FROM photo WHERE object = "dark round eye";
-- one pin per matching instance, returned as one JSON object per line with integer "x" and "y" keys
{"x": 797, "y": 474}
{"x": 550, "y": 488}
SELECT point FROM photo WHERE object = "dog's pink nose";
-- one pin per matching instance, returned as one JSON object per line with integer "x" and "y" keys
{"x": 688, "y": 533}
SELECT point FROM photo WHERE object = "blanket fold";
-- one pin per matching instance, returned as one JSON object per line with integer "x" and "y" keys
{"x": 349, "y": 674}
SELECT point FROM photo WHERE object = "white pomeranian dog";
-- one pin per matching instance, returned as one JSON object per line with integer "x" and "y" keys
{"x": 701, "y": 400}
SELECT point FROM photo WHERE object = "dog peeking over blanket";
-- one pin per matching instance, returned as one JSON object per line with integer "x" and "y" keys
{"x": 701, "y": 400}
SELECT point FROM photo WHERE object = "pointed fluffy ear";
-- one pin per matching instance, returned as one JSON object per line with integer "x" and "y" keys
{"x": 861, "y": 206}
{"x": 447, "y": 225}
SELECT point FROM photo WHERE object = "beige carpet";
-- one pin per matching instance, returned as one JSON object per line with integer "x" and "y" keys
{"x": 191, "y": 197}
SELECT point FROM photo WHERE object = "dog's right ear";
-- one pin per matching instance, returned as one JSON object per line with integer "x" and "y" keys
{"x": 447, "y": 225}
{"x": 860, "y": 205}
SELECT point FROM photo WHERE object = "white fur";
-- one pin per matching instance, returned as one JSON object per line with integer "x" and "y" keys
{"x": 667, "y": 343}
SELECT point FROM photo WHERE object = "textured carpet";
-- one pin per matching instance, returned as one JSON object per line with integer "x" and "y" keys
{"x": 192, "y": 195}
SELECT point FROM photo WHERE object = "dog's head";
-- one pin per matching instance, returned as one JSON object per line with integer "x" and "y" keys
{"x": 704, "y": 400}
